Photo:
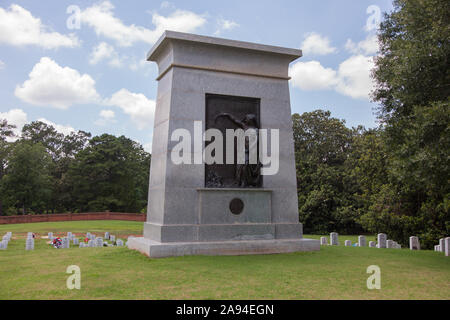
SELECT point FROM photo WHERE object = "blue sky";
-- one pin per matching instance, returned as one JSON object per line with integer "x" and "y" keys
{"x": 95, "y": 77}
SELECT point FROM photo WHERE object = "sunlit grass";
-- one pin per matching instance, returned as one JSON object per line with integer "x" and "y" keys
{"x": 118, "y": 273}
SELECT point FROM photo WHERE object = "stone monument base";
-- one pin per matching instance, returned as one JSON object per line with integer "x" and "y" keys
{"x": 154, "y": 249}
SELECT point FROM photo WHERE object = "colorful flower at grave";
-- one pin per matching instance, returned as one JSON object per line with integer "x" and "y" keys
{"x": 57, "y": 243}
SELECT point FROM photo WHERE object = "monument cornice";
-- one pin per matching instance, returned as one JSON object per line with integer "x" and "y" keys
{"x": 174, "y": 35}
{"x": 201, "y": 53}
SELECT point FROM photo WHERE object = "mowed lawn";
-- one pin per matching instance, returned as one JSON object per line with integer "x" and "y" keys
{"x": 118, "y": 273}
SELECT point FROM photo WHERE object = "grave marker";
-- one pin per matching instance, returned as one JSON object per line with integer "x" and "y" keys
{"x": 381, "y": 240}
{"x": 334, "y": 241}
{"x": 361, "y": 241}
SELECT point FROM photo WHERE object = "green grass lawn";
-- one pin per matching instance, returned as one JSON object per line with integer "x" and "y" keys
{"x": 118, "y": 273}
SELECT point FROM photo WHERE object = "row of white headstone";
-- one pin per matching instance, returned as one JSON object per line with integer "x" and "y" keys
{"x": 382, "y": 242}
{"x": 93, "y": 241}
{"x": 5, "y": 240}
{"x": 443, "y": 246}
{"x": 98, "y": 242}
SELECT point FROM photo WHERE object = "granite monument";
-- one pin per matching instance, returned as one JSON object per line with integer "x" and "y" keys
{"x": 225, "y": 207}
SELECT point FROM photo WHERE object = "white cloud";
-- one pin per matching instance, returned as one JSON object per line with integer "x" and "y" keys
{"x": 136, "y": 105}
{"x": 225, "y": 25}
{"x": 312, "y": 75}
{"x": 106, "y": 117}
{"x": 354, "y": 76}
{"x": 19, "y": 118}
{"x": 60, "y": 87}
{"x": 314, "y": 43}
{"x": 101, "y": 17}
{"x": 15, "y": 117}
{"x": 105, "y": 52}
{"x": 351, "y": 79}
{"x": 148, "y": 147}
{"x": 107, "y": 114}
{"x": 368, "y": 46}
{"x": 64, "y": 129}
{"x": 18, "y": 27}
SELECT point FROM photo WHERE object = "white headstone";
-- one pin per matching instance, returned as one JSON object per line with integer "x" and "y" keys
{"x": 372, "y": 244}
{"x": 98, "y": 242}
{"x": 112, "y": 238}
{"x": 414, "y": 243}
{"x": 50, "y": 235}
{"x": 2, "y": 246}
{"x": 447, "y": 246}
{"x": 348, "y": 243}
{"x": 334, "y": 241}
{"x": 323, "y": 241}
{"x": 65, "y": 243}
{"x": 381, "y": 240}
{"x": 107, "y": 235}
{"x": 119, "y": 243}
{"x": 29, "y": 244}
{"x": 442, "y": 245}
{"x": 362, "y": 241}
{"x": 75, "y": 241}
{"x": 91, "y": 243}
{"x": 389, "y": 244}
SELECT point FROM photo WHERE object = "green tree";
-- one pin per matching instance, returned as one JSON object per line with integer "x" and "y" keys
{"x": 110, "y": 174}
{"x": 62, "y": 149}
{"x": 27, "y": 180}
{"x": 71, "y": 145}
{"x": 413, "y": 85}
{"x": 325, "y": 187}
{"x": 6, "y": 131}
{"x": 40, "y": 132}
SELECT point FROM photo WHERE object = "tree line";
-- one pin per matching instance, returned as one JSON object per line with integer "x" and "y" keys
{"x": 45, "y": 171}
{"x": 395, "y": 178}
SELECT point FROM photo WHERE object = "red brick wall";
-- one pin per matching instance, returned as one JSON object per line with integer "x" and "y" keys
{"x": 73, "y": 217}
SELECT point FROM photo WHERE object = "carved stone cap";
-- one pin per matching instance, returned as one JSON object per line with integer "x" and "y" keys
{"x": 177, "y": 49}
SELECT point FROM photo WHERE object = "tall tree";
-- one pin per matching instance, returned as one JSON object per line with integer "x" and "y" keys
{"x": 325, "y": 187}
{"x": 6, "y": 131}
{"x": 27, "y": 179}
{"x": 71, "y": 145}
{"x": 111, "y": 173}
{"x": 40, "y": 132}
{"x": 413, "y": 86}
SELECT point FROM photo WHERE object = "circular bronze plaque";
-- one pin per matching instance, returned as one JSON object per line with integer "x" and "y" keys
{"x": 236, "y": 206}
